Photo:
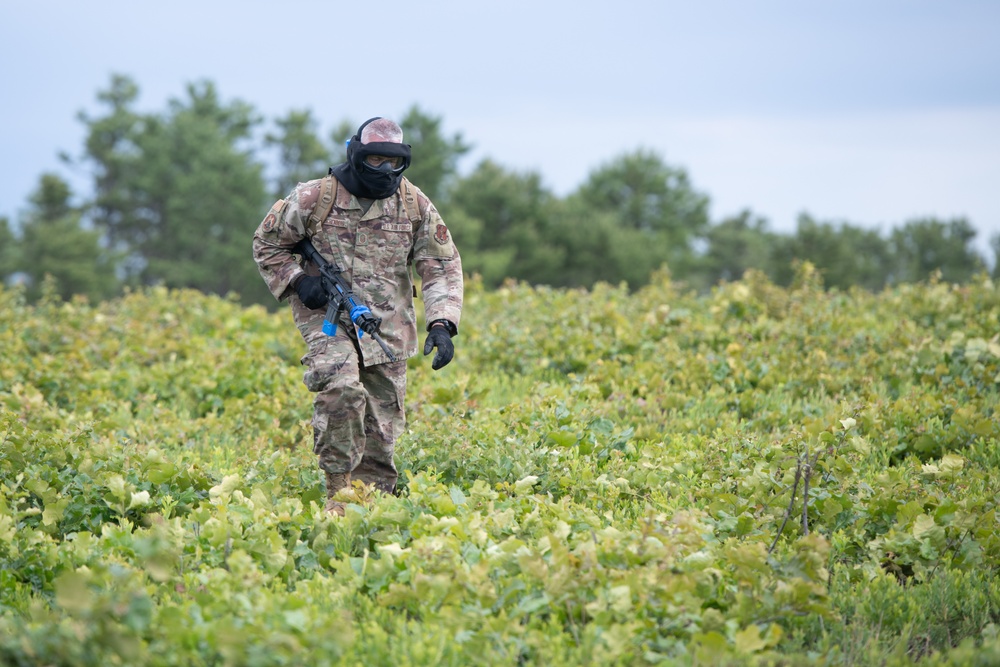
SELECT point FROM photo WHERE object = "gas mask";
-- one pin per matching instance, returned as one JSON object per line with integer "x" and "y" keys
{"x": 373, "y": 170}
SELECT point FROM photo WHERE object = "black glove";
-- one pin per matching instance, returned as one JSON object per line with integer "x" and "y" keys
{"x": 440, "y": 338}
{"x": 310, "y": 290}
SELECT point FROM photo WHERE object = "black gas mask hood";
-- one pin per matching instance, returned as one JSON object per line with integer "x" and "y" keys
{"x": 362, "y": 179}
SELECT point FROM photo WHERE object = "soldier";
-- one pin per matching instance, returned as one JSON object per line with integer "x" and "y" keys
{"x": 372, "y": 223}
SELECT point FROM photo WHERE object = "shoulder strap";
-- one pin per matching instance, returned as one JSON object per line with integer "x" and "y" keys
{"x": 324, "y": 205}
{"x": 325, "y": 202}
{"x": 410, "y": 203}
{"x": 328, "y": 189}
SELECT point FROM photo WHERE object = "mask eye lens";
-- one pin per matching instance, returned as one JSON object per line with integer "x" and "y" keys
{"x": 379, "y": 160}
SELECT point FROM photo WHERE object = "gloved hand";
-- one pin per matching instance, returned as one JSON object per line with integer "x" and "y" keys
{"x": 440, "y": 338}
{"x": 310, "y": 290}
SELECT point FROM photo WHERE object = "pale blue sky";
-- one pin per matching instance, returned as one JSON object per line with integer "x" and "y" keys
{"x": 866, "y": 111}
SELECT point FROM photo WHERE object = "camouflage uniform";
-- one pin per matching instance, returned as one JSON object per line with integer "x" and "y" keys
{"x": 358, "y": 408}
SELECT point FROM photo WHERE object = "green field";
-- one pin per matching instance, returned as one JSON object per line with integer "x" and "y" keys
{"x": 759, "y": 475}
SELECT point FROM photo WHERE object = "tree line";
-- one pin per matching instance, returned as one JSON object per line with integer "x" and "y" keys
{"x": 176, "y": 194}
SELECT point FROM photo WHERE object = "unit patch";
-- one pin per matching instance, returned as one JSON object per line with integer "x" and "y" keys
{"x": 271, "y": 220}
{"x": 441, "y": 234}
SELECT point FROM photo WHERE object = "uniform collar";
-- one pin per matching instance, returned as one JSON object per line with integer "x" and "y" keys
{"x": 347, "y": 201}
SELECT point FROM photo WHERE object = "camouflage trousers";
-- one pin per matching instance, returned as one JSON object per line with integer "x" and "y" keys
{"x": 357, "y": 412}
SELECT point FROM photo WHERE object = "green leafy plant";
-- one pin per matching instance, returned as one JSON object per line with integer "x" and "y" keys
{"x": 759, "y": 475}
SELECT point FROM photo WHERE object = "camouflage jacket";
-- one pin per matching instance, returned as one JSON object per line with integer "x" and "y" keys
{"x": 374, "y": 252}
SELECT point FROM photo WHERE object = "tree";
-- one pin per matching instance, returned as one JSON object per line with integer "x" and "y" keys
{"x": 647, "y": 195}
{"x": 632, "y": 217}
{"x": 844, "y": 254}
{"x": 736, "y": 244}
{"x": 595, "y": 247}
{"x": 995, "y": 246}
{"x": 302, "y": 155}
{"x": 180, "y": 191}
{"x": 501, "y": 223}
{"x": 54, "y": 243}
{"x": 435, "y": 156}
{"x": 8, "y": 250}
{"x": 111, "y": 150}
{"x": 925, "y": 245}
{"x": 340, "y": 136}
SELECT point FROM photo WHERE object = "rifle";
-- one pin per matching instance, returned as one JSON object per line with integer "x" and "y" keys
{"x": 342, "y": 298}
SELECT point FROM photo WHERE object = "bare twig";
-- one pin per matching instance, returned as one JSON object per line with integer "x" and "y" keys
{"x": 810, "y": 466}
{"x": 791, "y": 503}
{"x": 572, "y": 624}
{"x": 805, "y": 499}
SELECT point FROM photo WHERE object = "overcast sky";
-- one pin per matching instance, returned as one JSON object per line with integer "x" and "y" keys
{"x": 867, "y": 111}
